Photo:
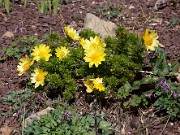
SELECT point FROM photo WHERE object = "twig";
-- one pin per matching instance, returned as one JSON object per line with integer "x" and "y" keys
{"x": 62, "y": 22}
{"x": 165, "y": 126}
{"x": 140, "y": 129}
{"x": 142, "y": 121}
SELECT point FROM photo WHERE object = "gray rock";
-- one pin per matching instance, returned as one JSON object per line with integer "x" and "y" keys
{"x": 161, "y": 3}
{"x": 104, "y": 28}
{"x": 35, "y": 116}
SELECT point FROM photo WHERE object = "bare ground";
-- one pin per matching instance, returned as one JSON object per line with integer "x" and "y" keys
{"x": 136, "y": 15}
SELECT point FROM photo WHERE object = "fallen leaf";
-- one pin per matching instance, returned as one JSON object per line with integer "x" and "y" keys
{"x": 6, "y": 130}
{"x": 156, "y": 20}
{"x": 8, "y": 34}
{"x": 153, "y": 24}
{"x": 123, "y": 132}
{"x": 131, "y": 7}
{"x": 161, "y": 45}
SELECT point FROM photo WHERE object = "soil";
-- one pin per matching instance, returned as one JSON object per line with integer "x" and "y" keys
{"x": 136, "y": 15}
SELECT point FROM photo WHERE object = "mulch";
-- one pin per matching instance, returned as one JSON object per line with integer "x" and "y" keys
{"x": 136, "y": 16}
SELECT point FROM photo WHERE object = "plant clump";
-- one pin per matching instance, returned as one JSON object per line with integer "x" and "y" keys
{"x": 83, "y": 62}
{"x": 99, "y": 65}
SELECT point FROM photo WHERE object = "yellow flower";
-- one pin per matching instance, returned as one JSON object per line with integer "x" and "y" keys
{"x": 89, "y": 86}
{"x": 24, "y": 65}
{"x": 84, "y": 42}
{"x": 98, "y": 84}
{"x": 41, "y": 51}
{"x": 150, "y": 40}
{"x": 93, "y": 42}
{"x": 61, "y": 52}
{"x": 94, "y": 50}
{"x": 94, "y": 56}
{"x": 94, "y": 83}
{"x": 71, "y": 33}
{"x": 96, "y": 41}
{"x": 38, "y": 77}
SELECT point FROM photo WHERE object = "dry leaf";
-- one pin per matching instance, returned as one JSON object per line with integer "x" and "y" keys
{"x": 131, "y": 7}
{"x": 8, "y": 34}
{"x": 161, "y": 45}
{"x": 156, "y": 20}
{"x": 6, "y": 130}
{"x": 123, "y": 132}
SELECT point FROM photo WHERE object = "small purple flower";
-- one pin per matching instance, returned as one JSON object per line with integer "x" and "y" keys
{"x": 66, "y": 115}
{"x": 1, "y": 54}
{"x": 178, "y": 94}
{"x": 164, "y": 85}
{"x": 166, "y": 88}
{"x": 20, "y": 46}
{"x": 40, "y": 97}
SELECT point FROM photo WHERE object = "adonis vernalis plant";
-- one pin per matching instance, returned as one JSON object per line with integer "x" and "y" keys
{"x": 104, "y": 65}
{"x": 58, "y": 66}
{"x": 98, "y": 84}
{"x": 38, "y": 77}
{"x": 71, "y": 33}
{"x": 150, "y": 40}
{"x": 94, "y": 50}
{"x": 94, "y": 56}
{"x": 41, "y": 51}
{"x": 61, "y": 52}
{"x": 92, "y": 84}
{"x": 108, "y": 67}
{"x": 24, "y": 65}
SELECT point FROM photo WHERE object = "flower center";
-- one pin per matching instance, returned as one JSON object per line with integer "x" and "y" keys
{"x": 95, "y": 57}
{"x": 148, "y": 41}
{"x": 26, "y": 66}
{"x": 61, "y": 53}
{"x": 39, "y": 77}
{"x": 42, "y": 53}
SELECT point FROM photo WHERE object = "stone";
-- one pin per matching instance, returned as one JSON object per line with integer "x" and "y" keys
{"x": 102, "y": 27}
{"x": 5, "y": 130}
{"x": 161, "y": 3}
{"x": 8, "y": 34}
{"x": 36, "y": 116}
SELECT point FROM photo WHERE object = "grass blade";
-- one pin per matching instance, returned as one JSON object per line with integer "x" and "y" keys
{"x": 43, "y": 7}
{"x": 55, "y": 6}
{"x": 37, "y": 4}
{"x": 25, "y": 3}
{"x": 1, "y": 2}
{"x": 6, "y": 3}
{"x": 49, "y": 5}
